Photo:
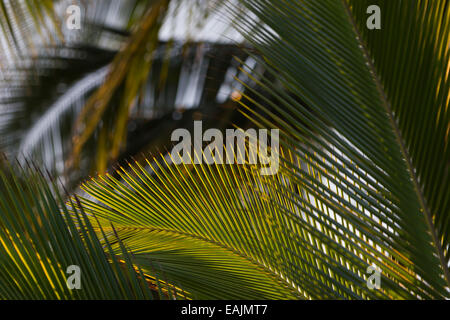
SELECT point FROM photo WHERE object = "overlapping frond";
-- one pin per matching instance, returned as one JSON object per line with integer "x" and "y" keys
{"x": 200, "y": 222}
{"x": 414, "y": 78}
{"x": 354, "y": 139}
{"x": 218, "y": 222}
{"x": 40, "y": 240}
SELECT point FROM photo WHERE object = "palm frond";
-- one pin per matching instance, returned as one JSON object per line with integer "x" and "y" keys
{"x": 178, "y": 220}
{"x": 40, "y": 240}
{"x": 186, "y": 217}
{"x": 417, "y": 95}
{"x": 369, "y": 166}
{"x": 131, "y": 58}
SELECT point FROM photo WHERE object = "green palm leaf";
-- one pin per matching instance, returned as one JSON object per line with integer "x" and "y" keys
{"x": 371, "y": 145}
{"x": 40, "y": 240}
{"x": 206, "y": 232}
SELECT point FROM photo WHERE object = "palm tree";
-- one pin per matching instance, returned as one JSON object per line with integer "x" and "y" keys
{"x": 363, "y": 178}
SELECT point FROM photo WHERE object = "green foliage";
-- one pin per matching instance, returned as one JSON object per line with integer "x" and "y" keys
{"x": 364, "y": 172}
{"x": 40, "y": 240}
{"x": 375, "y": 138}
